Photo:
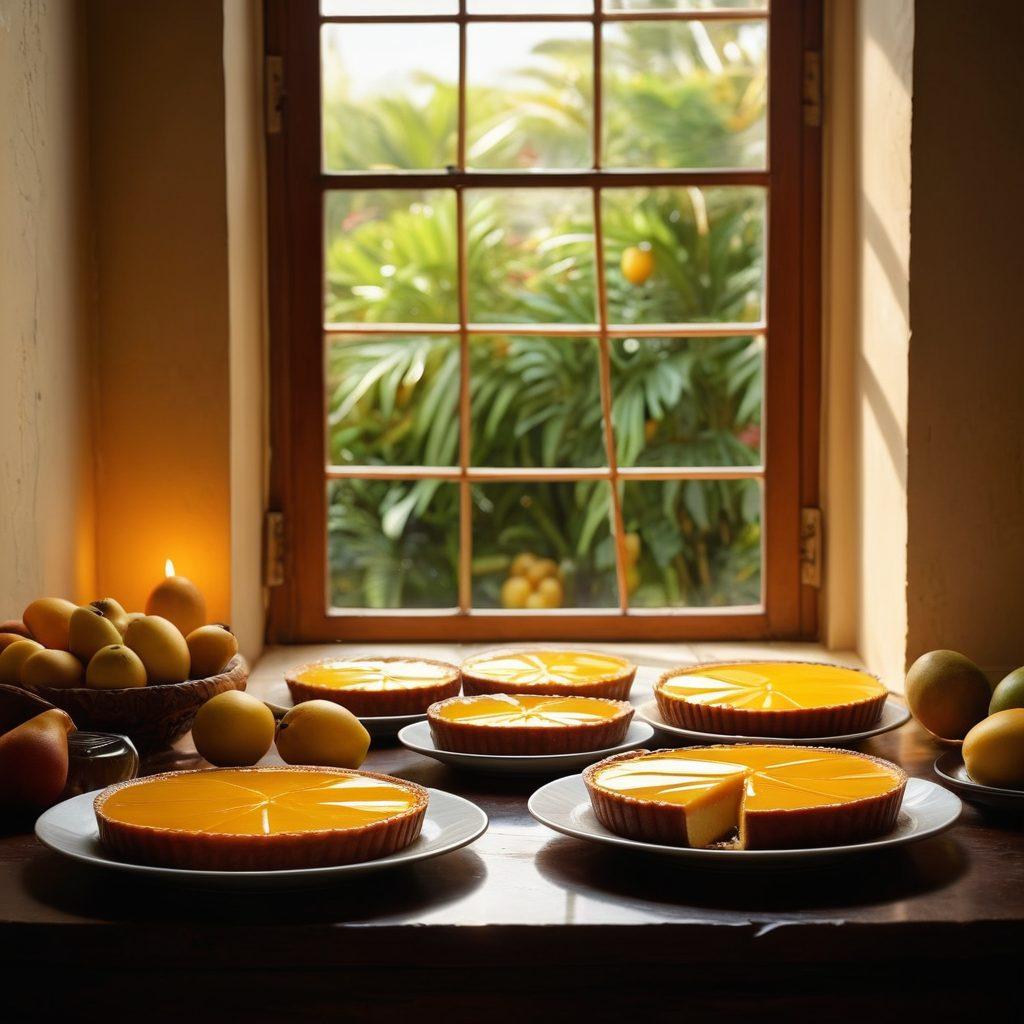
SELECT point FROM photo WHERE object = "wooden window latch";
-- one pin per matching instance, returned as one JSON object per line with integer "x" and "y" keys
{"x": 273, "y": 80}
{"x": 274, "y": 545}
{"x": 812, "y": 100}
{"x": 810, "y": 547}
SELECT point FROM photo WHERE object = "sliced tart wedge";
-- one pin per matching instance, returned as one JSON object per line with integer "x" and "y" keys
{"x": 770, "y": 797}
{"x": 528, "y": 724}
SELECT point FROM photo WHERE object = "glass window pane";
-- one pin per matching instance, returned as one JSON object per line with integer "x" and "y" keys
{"x": 392, "y": 401}
{"x": 563, "y": 528}
{"x": 678, "y": 255}
{"x": 685, "y": 93}
{"x": 684, "y": 5}
{"x": 529, "y": 95}
{"x": 392, "y": 544}
{"x": 390, "y": 96}
{"x": 530, "y": 6}
{"x": 531, "y": 256}
{"x": 536, "y": 402}
{"x": 693, "y": 543}
{"x": 389, "y": 257}
{"x": 384, "y": 7}
{"x": 687, "y": 401}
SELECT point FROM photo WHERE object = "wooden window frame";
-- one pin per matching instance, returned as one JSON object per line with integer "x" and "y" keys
{"x": 791, "y": 326}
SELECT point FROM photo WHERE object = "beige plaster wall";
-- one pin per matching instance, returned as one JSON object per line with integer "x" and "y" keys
{"x": 885, "y": 46}
{"x": 46, "y": 494}
{"x": 160, "y": 211}
{"x": 131, "y": 326}
{"x": 867, "y": 329}
{"x": 966, "y": 478}
{"x": 247, "y": 351}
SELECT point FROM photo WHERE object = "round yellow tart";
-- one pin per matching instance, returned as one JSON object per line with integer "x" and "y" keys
{"x": 373, "y": 687}
{"x": 259, "y": 819}
{"x": 528, "y": 723}
{"x": 565, "y": 673}
{"x": 773, "y": 797}
{"x": 770, "y": 698}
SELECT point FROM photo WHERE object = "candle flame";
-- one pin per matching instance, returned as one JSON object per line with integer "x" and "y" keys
{"x": 168, "y": 568}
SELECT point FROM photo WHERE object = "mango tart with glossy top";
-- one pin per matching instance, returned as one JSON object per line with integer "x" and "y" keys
{"x": 259, "y": 819}
{"x": 770, "y": 698}
{"x": 528, "y": 723}
{"x": 549, "y": 671}
{"x": 374, "y": 687}
{"x": 773, "y": 797}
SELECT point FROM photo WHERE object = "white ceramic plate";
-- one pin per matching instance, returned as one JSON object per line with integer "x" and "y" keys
{"x": 894, "y": 714}
{"x": 950, "y": 768}
{"x": 563, "y": 805}
{"x": 70, "y": 829}
{"x": 390, "y": 725}
{"x": 417, "y": 737}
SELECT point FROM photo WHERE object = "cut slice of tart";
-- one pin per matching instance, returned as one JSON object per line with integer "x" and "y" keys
{"x": 528, "y": 723}
{"x": 259, "y": 819}
{"x": 375, "y": 687}
{"x": 549, "y": 671}
{"x": 785, "y": 699}
{"x": 774, "y": 797}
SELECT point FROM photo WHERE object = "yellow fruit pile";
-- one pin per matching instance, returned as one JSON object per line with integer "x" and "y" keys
{"x": 235, "y": 729}
{"x": 532, "y": 583}
{"x": 535, "y": 582}
{"x": 951, "y": 697}
{"x": 59, "y": 644}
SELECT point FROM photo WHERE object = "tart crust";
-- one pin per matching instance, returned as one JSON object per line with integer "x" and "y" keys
{"x": 411, "y": 700}
{"x": 659, "y": 821}
{"x": 780, "y": 723}
{"x": 615, "y": 684}
{"x": 213, "y": 851}
{"x": 470, "y": 737}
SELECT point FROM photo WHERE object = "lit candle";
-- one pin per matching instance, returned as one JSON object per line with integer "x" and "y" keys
{"x": 177, "y": 599}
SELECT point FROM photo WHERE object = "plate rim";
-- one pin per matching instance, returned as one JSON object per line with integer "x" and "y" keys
{"x": 852, "y": 737}
{"x": 392, "y": 719}
{"x": 968, "y": 784}
{"x": 156, "y": 871}
{"x": 740, "y": 856}
{"x": 512, "y": 759}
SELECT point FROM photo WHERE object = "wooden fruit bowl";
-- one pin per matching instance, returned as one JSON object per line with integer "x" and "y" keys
{"x": 152, "y": 716}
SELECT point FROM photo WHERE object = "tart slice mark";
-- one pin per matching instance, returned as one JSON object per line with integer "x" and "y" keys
{"x": 772, "y": 686}
{"x": 514, "y": 709}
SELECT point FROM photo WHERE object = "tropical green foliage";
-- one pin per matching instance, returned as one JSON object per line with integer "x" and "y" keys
{"x": 391, "y": 258}
{"x": 685, "y": 94}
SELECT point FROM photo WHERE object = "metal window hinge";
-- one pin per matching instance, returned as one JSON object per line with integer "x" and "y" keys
{"x": 812, "y": 101}
{"x": 810, "y": 547}
{"x": 274, "y": 549}
{"x": 274, "y": 95}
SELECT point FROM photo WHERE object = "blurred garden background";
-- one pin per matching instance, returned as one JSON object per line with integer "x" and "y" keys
{"x": 676, "y": 95}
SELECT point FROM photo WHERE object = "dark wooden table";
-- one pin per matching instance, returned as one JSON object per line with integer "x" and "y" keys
{"x": 529, "y": 922}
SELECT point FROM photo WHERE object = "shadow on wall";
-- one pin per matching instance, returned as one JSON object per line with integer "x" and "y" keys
{"x": 876, "y": 237}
